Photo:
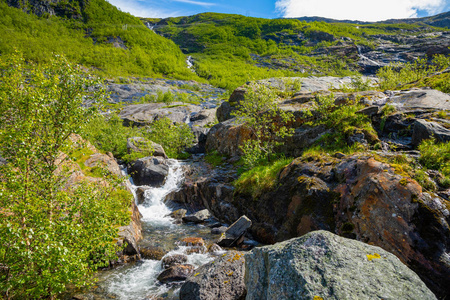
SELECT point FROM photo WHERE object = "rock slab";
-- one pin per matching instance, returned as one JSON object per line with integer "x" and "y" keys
{"x": 322, "y": 264}
{"x": 150, "y": 171}
{"x": 222, "y": 279}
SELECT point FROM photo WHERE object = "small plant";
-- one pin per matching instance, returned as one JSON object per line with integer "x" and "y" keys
{"x": 260, "y": 179}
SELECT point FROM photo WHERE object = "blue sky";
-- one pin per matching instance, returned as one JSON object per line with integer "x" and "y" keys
{"x": 364, "y": 10}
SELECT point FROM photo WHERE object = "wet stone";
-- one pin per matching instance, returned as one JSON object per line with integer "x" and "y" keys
{"x": 155, "y": 253}
{"x": 176, "y": 273}
{"x": 172, "y": 260}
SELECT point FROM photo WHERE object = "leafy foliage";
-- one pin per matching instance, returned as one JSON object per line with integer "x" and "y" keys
{"x": 51, "y": 234}
{"x": 396, "y": 76}
{"x": 173, "y": 137}
{"x": 267, "y": 123}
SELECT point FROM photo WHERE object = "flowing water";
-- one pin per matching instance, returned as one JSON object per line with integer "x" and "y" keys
{"x": 139, "y": 280}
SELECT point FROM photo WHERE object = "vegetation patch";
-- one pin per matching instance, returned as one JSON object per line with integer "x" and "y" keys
{"x": 260, "y": 179}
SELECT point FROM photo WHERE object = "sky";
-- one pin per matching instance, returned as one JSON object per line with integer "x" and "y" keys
{"x": 362, "y": 10}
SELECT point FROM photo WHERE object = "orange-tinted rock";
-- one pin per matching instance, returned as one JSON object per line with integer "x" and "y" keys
{"x": 192, "y": 241}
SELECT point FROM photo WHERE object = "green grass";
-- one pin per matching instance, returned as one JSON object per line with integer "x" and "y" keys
{"x": 436, "y": 156}
{"x": 260, "y": 179}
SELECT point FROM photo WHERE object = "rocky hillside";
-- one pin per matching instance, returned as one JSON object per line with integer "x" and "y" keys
{"x": 440, "y": 20}
{"x": 362, "y": 174}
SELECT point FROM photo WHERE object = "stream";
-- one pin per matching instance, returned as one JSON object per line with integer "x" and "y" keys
{"x": 139, "y": 280}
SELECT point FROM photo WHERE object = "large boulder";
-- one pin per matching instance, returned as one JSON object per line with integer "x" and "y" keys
{"x": 226, "y": 137}
{"x": 150, "y": 171}
{"x": 425, "y": 130}
{"x": 321, "y": 265}
{"x": 222, "y": 279}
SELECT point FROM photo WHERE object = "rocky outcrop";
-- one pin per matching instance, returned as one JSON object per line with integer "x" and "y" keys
{"x": 321, "y": 265}
{"x": 424, "y": 99}
{"x": 150, "y": 171}
{"x": 357, "y": 197}
{"x": 222, "y": 279}
{"x": 144, "y": 114}
{"x": 425, "y": 130}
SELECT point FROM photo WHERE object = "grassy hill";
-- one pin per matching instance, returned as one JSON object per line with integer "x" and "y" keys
{"x": 232, "y": 49}
{"x": 93, "y": 33}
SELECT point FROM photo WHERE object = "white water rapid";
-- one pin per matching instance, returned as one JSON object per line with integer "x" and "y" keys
{"x": 139, "y": 281}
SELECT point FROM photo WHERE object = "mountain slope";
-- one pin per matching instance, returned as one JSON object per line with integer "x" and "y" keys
{"x": 232, "y": 49}
{"x": 440, "y": 20}
{"x": 93, "y": 33}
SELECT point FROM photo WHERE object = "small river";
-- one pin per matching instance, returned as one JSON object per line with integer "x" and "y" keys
{"x": 138, "y": 280}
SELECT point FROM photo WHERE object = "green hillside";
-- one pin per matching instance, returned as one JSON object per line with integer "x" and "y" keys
{"x": 232, "y": 49}
{"x": 93, "y": 33}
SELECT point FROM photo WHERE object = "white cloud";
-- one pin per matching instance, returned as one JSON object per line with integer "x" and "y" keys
{"x": 140, "y": 9}
{"x": 363, "y": 10}
{"x": 201, "y": 3}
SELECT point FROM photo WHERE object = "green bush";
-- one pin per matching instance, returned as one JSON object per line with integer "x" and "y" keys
{"x": 52, "y": 233}
{"x": 173, "y": 137}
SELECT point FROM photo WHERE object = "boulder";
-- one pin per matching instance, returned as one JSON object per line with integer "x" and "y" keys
{"x": 176, "y": 273}
{"x": 226, "y": 137}
{"x": 150, "y": 171}
{"x": 205, "y": 117}
{"x": 152, "y": 252}
{"x": 425, "y": 130}
{"x": 178, "y": 214}
{"x": 172, "y": 260}
{"x": 322, "y": 265}
{"x": 193, "y": 242}
{"x": 224, "y": 112}
{"x": 140, "y": 194}
{"x": 234, "y": 234}
{"x": 197, "y": 217}
{"x": 142, "y": 145}
{"x": 221, "y": 279}
{"x": 219, "y": 230}
{"x": 131, "y": 234}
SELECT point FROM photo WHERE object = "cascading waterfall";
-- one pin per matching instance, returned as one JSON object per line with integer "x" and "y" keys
{"x": 139, "y": 281}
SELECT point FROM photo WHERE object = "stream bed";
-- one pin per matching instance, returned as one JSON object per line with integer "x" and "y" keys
{"x": 139, "y": 280}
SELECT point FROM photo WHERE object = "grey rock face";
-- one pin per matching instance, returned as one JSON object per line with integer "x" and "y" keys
{"x": 425, "y": 130}
{"x": 222, "y": 279}
{"x": 197, "y": 217}
{"x": 142, "y": 114}
{"x": 331, "y": 267}
{"x": 150, "y": 171}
